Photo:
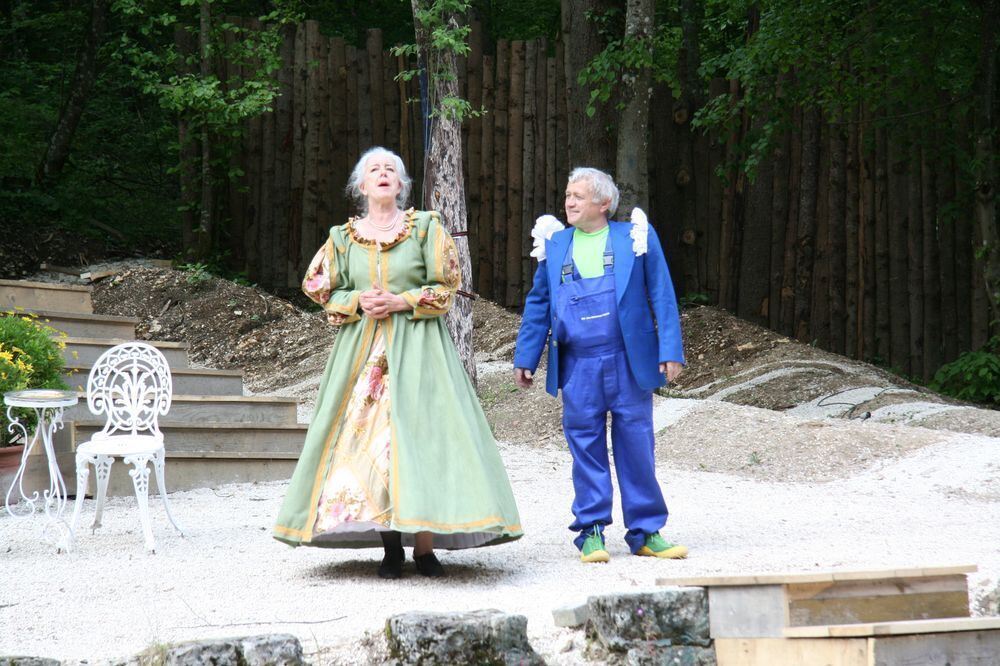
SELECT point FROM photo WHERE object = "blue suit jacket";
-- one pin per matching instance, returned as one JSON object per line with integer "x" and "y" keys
{"x": 647, "y": 308}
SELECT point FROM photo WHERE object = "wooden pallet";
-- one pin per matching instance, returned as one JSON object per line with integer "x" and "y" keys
{"x": 896, "y": 617}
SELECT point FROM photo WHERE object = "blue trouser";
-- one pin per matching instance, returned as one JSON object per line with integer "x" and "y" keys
{"x": 595, "y": 379}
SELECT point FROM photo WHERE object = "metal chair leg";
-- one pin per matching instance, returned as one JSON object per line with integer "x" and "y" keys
{"x": 140, "y": 479}
{"x": 102, "y": 469}
{"x": 82, "y": 477}
{"x": 158, "y": 465}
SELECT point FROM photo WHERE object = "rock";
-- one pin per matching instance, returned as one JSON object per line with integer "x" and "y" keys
{"x": 674, "y": 615}
{"x": 657, "y": 654}
{"x": 987, "y": 600}
{"x": 571, "y": 615}
{"x": 267, "y": 649}
{"x": 476, "y": 637}
{"x": 28, "y": 661}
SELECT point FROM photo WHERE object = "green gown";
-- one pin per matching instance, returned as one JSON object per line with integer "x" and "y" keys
{"x": 398, "y": 439}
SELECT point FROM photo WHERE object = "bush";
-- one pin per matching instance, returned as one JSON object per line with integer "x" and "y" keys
{"x": 30, "y": 357}
{"x": 973, "y": 376}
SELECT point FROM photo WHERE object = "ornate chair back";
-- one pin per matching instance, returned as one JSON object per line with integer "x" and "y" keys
{"x": 131, "y": 384}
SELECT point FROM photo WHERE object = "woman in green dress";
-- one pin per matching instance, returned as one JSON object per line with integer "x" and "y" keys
{"x": 399, "y": 452}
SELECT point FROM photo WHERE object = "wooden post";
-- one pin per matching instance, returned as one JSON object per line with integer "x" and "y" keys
{"x": 300, "y": 237}
{"x": 377, "y": 97}
{"x": 312, "y": 112}
{"x": 526, "y": 217}
{"x": 779, "y": 222}
{"x": 339, "y": 166}
{"x": 515, "y": 147}
{"x": 562, "y": 122}
{"x": 883, "y": 328}
{"x": 837, "y": 238}
{"x": 752, "y": 284}
{"x": 866, "y": 236}
{"x": 487, "y": 258}
{"x": 390, "y": 94}
{"x": 351, "y": 111}
{"x": 553, "y": 199}
{"x": 271, "y": 272}
{"x": 931, "y": 267}
{"x": 791, "y": 229}
{"x": 709, "y": 157}
{"x": 946, "y": 231}
{"x": 541, "y": 139}
{"x": 500, "y": 198}
{"x": 852, "y": 243}
{"x": 405, "y": 120}
{"x": 366, "y": 132}
{"x": 899, "y": 317}
{"x": 474, "y": 129}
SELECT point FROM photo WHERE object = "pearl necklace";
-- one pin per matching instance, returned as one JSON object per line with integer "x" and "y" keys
{"x": 388, "y": 227}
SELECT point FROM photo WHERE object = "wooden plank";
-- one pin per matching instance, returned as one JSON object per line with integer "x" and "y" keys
{"x": 312, "y": 115}
{"x": 914, "y": 263}
{"x": 562, "y": 122}
{"x": 747, "y": 611}
{"x": 270, "y": 190}
{"x": 819, "y": 311}
{"x": 236, "y": 198}
{"x": 931, "y": 265}
{"x": 553, "y": 200}
{"x": 366, "y": 132}
{"x": 883, "y": 332}
{"x": 390, "y": 93}
{"x": 791, "y": 228}
{"x": 515, "y": 180}
{"x": 405, "y": 119}
{"x": 966, "y": 648}
{"x": 541, "y": 139}
{"x": 500, "y": 199}
{"x": 375, "y": 76}
{"x": 353, "y": 132}
{"x": 473, "y": 156}
{"x": 874, "y": 629}
{"x": 788, "y": 577}
{"x": 798, "y": 652}
{"x": 484, "y": 282}
{"x": 853, "y": 279}
{"x": 866, "y": 239}
{"x": 710, "y": 188}
{"x": 779, "y": 222}
{"x": 530, "y": 126}
{"x": 339, "y": 167}
{"x": 899, "y": 306}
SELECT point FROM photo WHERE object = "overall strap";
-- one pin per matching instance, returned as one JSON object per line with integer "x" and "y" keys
{"x": 569, "y": 271}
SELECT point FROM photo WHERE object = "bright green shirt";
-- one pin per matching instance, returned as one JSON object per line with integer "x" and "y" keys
{"x": 588, "y": 251}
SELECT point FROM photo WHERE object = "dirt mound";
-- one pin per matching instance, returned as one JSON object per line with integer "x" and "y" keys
{"x": 227, "y": 325}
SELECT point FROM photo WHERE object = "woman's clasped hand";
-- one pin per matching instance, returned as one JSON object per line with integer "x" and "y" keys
{"x": 379, "y": 304}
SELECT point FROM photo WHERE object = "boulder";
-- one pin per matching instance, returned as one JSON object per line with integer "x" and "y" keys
{"x": 263, "y": 650}
{"x": 657, "y": 654}
{"x": 28, "y": 661}
{"x": 476, "y": 637}
{"x": 669, "y": 616}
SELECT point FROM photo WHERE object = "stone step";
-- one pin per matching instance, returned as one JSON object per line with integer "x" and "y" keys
{"x": 952, "y": 641}
{"x": 184, "y": 471}
{"x": 188, "y": 381}
{"x": 87, "y": 350}
{"x": 214, "y": 439}
{"x": 765, "y": 606}
{"x": 213, "y": 409}
{"x": 80, "y": 325}
{"x": 46, "y": 296}
{"x": 198, "y": 456}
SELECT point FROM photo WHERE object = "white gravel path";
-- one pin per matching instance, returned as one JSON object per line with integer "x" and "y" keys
{"x": 108, "y": 599}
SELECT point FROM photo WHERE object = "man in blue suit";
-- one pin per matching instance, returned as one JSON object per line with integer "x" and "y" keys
{"x": 603, "y": 301}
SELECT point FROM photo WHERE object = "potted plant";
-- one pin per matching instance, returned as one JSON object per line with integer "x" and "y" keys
{"x": 31, "y": 356}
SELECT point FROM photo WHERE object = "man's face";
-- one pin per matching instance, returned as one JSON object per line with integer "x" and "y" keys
{"x": 580, "y": 206}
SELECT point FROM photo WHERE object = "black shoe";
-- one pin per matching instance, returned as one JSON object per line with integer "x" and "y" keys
{"x": 392, "y": 564}
{"x": 428, "y": 565}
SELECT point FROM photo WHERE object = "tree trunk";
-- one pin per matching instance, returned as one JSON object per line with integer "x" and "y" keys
{"x": 899, "y": 305}
{"x": 883, "y": 328}
{"x": 633, "y": 129}
{"x": 57, "y": 151}
{"x": 985, "y": 154}
{"x": 589, "y": 142}
{"x": 915, "y": 273}
{"x": 444, "y": 187}
{"x": 932, "y": 268}
{"x": 853, "y": 243}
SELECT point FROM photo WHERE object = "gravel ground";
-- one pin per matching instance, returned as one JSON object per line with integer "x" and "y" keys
{"x": 937, "y": 505}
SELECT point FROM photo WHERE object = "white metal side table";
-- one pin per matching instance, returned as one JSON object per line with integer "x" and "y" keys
{"x": 48, "y": 406}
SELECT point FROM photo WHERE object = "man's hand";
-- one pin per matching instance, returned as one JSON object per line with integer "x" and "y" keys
{"x": 672, "y": 369}
{"x": 379, "y": 304}
{"x": 523, "y": 378}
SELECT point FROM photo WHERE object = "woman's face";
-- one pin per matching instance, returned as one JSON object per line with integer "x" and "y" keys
{"x": 381, "y": 181}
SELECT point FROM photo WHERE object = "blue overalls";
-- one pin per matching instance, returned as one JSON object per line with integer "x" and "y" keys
{"x": 595, "y": 378}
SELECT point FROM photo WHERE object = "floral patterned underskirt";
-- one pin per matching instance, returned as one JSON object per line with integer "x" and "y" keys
{"x": 355, "y": 495}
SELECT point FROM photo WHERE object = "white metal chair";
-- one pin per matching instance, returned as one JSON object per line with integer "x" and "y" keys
{"x": 130, "y": 383}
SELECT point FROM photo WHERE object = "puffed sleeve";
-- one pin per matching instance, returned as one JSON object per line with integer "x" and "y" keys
{"x": 325, "y": 283}
{"x": 443, "y": 273}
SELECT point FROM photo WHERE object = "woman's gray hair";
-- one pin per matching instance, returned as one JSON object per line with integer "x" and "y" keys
{"x": 601, "y": 184}
{"x": 353, "y": 188}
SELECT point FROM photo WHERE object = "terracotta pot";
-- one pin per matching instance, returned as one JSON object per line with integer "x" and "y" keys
{"x": 10, "y": 458}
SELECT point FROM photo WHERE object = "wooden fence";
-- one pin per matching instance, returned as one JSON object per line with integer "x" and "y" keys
{"x": 847, "y": 245}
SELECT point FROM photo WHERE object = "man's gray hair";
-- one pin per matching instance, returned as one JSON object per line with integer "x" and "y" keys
{"x": 353, "y": 188}
{"x": 602, "y": 185}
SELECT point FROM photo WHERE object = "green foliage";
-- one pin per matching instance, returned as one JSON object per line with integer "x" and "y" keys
{"x": 446, "y": 37}
{"x": 698, "y": 298}
{"x": 973, "y": 376}
{"x": 30, "y": 357}
{"x": 832, "y": 55}
{"x": 198, "y": 274}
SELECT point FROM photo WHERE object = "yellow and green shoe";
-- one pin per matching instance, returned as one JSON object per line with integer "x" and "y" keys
{"x": 593, "y": 548}
{"x": 657, "y": 546}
